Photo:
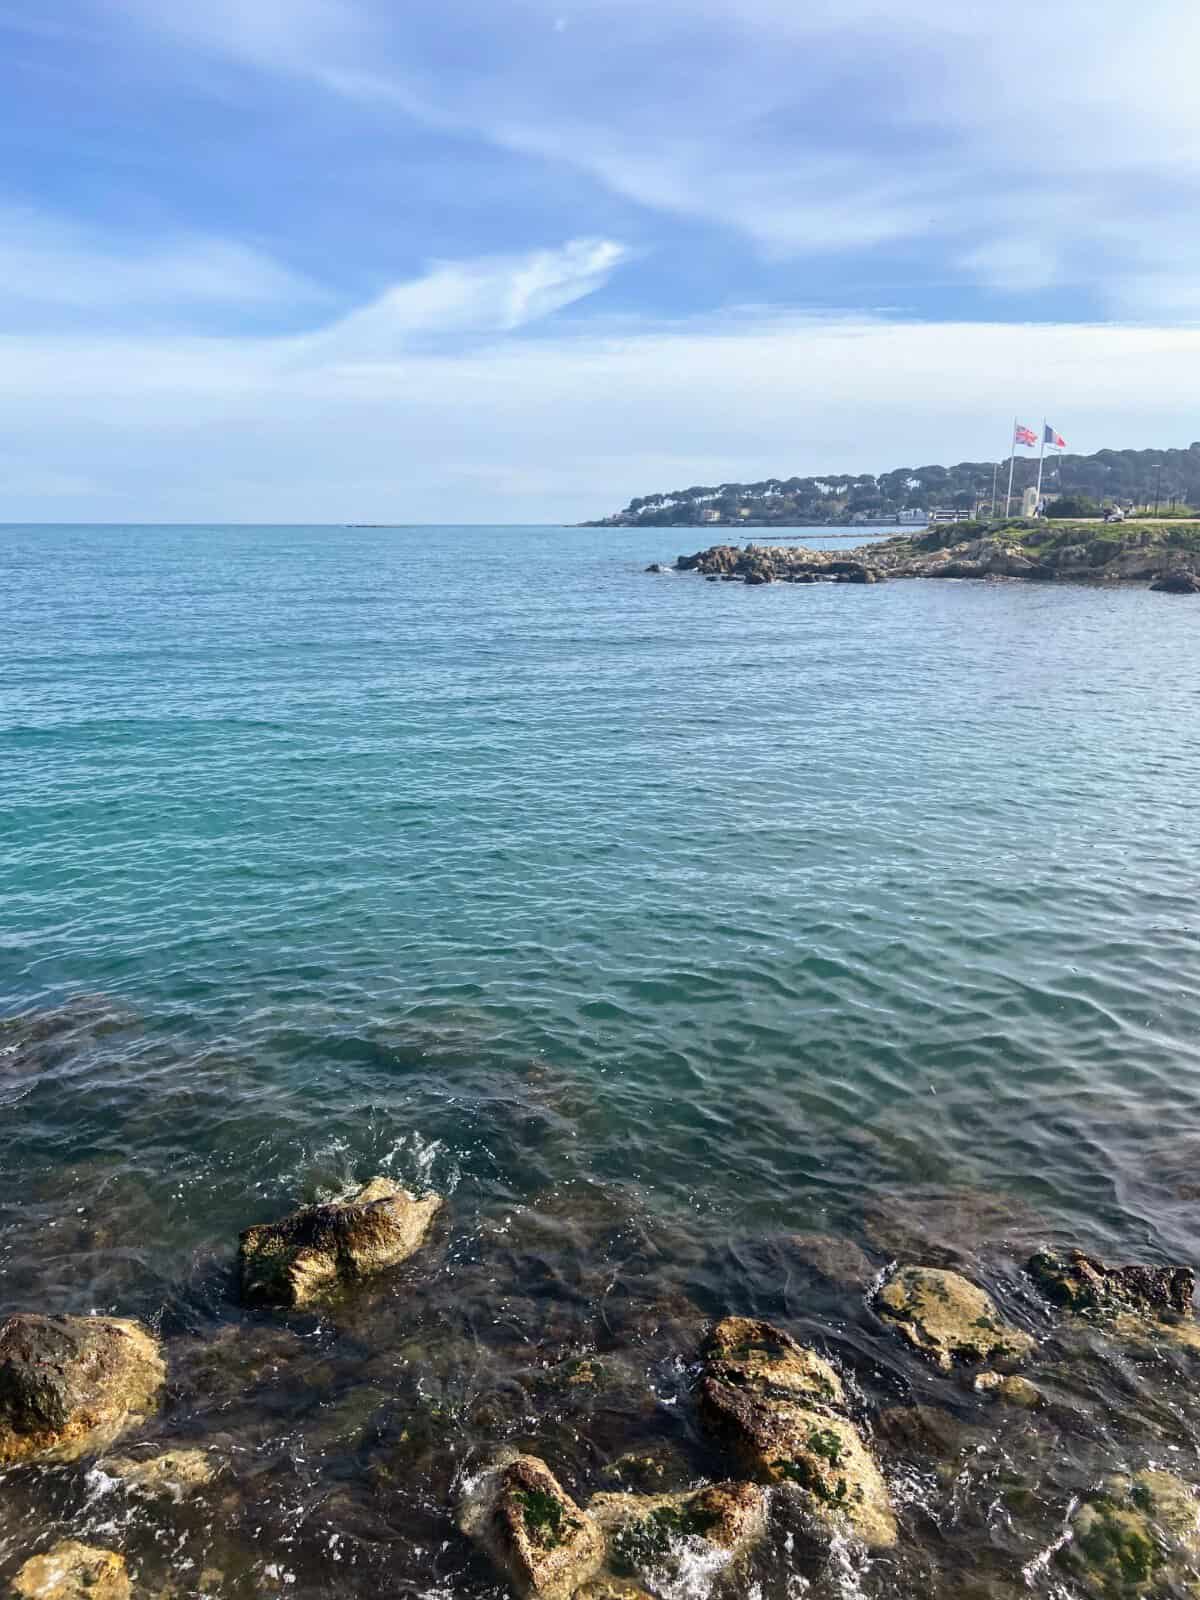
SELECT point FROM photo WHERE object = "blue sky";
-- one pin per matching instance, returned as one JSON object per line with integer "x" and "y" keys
{"x": 522, "y": 259}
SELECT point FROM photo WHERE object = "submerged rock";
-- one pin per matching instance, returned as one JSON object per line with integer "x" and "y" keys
{"x": 1137, "y": 1534}
{"x": 172, "y": 1472}
{"x": 1082, "y": 1283}
{"x": 645, "y": 1531}
{"x": 610, "y": 1589}
{"x": 1015, "y": 1390}
{"x": 654, "y": 1470}
{"x": 821, "y": 1454}
{"x": 70, "y": 1385}
{"x": 948, "y": 1318}
{"x": 317, "y": 1249}
{"x": 756, "y": 1355}
{"x": 518, "y": 1513}
{"x": 73, "y": 1571}
{"x": 840, "y": 1261}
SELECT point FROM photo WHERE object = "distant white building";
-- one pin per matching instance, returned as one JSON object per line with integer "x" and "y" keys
{"x": 710, "y": 515}
{"x": 950, "y": 514}
{"x": 914, "y": 515}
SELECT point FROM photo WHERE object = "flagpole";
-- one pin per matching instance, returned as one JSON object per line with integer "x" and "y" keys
{"x": 1041, "y": 464}
{"x": 995, "y": 473}
{"x": 1012, "y": 461}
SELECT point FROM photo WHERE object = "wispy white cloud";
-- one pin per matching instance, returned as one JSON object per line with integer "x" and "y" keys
{"x": 53, "y": 265}
{"x": 837, "y": 125}
{"x": 497, "y": 294}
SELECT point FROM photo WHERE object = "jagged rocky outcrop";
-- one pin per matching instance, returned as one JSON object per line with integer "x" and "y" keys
{"x": 948, "y": 1318}
{"x": 315, "y": 1251}
{"x": 519, "y": 1514}
{"x": 775, "y": 1408}
{"x": 1045, "y": 552}
{"x": 789, "y": 564}
{"x": 1082, "y": 1283}
{"x": 73, "y": 1571}
{"x": 1178, "y": 582}
{"x": 70, "y": 1385}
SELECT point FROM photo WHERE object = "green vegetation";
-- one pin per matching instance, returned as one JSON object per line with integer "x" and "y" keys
{"x": 1143, "y": 479}
{"x": 546, "y": 1519}
{"x": 647, "y": 1542}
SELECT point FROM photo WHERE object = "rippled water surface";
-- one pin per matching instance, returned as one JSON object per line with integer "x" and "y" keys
{"x": 654, "y": 922}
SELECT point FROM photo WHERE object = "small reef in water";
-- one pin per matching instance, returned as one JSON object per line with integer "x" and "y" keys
{"x": 1164, "y": 556}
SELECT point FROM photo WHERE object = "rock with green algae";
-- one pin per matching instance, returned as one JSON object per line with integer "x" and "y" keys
{"x": 948, "y": 1318}
{"x": 70, "y": 1385}
{"x": 1138, "y": 1536}
{"x": 1082, "y": 1283}
{"x": 647, "y": 1534}
{"x": 758, "y": 1356}
{"x": 312, "y": 1253}
{"x": 172, "y": 1472}
{"x": 819, "y": 1453}
{"x": 73, "y": 1571}
{"x": 518, "y": 1513}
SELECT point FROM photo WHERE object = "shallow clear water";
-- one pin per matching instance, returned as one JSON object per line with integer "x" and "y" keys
{"x": 651, "y": 920}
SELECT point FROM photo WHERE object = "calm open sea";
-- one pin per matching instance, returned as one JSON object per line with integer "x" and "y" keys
{"x": 652, "y": 921}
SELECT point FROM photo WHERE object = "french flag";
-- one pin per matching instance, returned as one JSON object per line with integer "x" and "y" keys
{"x": 1054, "y": 440}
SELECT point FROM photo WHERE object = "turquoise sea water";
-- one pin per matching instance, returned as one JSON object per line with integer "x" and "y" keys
{"x": 650, "y": 920}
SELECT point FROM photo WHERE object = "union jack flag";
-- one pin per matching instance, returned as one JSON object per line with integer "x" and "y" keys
{"x": 1024, "y": 435}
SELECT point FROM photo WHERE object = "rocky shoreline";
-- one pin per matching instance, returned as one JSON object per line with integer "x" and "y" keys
{"x": 793, "y": 1438}
{"x": 1165, "y": 557}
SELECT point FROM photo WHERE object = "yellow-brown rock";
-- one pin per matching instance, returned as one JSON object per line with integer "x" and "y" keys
{"x": 520, "y": 1515}
{"x": 309, "y": 1255}
{"x": 948, "y": 1318}
{"x": 818, "y": 1452}
{"x": 73, "y": 1571}
{"x": 70, "y": 1385}
{"x": 759, "y": 1356}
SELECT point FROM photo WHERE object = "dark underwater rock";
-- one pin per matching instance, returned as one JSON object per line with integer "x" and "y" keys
{"x": 1177, "y": 583}
{"x": 70, "y": 1385}
{"x": 1082, "y": 1283}
{"x": 518, "y": 1513}
{"x": 840, "y": 1261}
{"x": 318, "y": 1249}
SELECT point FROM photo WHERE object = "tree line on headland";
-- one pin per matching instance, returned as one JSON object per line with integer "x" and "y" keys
{"x": 1141, "y": 479}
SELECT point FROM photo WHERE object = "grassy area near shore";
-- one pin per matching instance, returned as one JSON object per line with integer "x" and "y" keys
{"x": 1041, "y": 536}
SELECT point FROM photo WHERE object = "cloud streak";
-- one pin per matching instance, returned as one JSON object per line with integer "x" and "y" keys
{"x": 826, "y": 128}
{"x": 51, "y": 266}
